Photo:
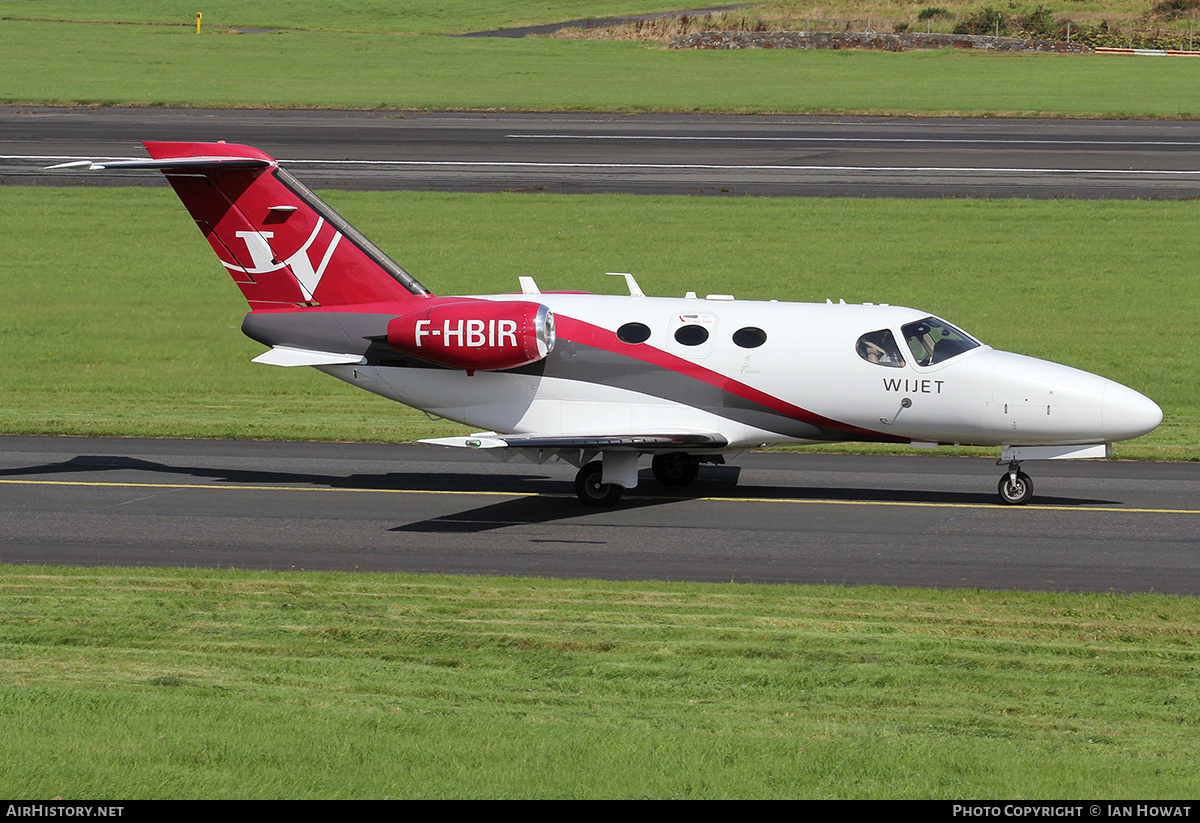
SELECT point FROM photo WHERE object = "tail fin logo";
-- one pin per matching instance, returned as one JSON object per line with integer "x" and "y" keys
{"x": 265, "y": 260}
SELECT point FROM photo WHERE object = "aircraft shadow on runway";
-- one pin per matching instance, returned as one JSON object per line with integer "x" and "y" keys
{"x": 408, "y": 481}
{"x": 542, "y": 498}
{"x": 546, "y": 509}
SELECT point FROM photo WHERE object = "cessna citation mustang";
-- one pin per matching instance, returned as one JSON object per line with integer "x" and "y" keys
{"x": 598, "y": 381}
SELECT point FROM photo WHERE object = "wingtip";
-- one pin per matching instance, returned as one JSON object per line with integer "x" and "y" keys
{"x": 74, "y": 164}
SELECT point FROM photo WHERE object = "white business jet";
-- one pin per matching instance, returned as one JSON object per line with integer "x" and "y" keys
{"x": 599, "y": 381}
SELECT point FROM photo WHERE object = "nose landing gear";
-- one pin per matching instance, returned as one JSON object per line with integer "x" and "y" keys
{"x": 1015, "y": 487}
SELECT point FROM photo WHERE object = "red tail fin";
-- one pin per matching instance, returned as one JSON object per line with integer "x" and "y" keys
{"x": 282, "y": 245}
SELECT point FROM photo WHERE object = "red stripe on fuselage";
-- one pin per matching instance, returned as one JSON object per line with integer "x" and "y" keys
{"x": 579, "y": 331}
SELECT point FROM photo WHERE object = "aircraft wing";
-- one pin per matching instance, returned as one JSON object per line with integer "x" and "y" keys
{"x": 657, "y": 441}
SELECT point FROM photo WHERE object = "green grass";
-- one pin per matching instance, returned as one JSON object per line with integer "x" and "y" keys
{"x": 409, "y": 17}
{"x": 457, "y": 16}
{"x": 147, "y": 683}
{"x": 122, "y": 322}
{"x": 70, "y": 64}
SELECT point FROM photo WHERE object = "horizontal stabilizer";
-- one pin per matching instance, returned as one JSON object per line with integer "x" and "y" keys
{"x": 659, "y": 441}
{"x": 288, "y": 356}
{"x": 168, "y": 163}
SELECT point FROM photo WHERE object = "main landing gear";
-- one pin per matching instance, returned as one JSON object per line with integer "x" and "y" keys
{"x": 1015, "y": 487}
{"x": 591, "y": 489}
{"x": 673, "y": 469}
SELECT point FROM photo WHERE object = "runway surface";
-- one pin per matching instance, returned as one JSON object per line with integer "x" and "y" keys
{"x": 775, "y": 518}
{"x": 643, "y": 154}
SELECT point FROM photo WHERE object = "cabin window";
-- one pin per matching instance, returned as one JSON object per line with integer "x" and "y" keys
{"x": 691, "y": 335}
{"x": 879, "y": 347}
{"x": 749, "y": 337}
{"x": 934, "y": 341}
{"x": 633, "y": 333}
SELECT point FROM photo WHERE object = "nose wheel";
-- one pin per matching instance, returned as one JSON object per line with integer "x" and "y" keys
{"x": 1015, "y": 487}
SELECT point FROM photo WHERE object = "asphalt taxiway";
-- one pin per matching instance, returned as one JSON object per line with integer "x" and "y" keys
{"x": 769, "y": 518}
{"x": 642, "y": 154}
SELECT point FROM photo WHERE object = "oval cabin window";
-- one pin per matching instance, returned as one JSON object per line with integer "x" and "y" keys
{"x": 750, "y": 337}
{"x": 633, "y": 333}
{"x": 691, "y": 335}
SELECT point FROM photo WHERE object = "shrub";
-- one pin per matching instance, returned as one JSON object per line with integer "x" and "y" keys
{"x": 1174, "y": 9}
{"x": 1039, "y": 23}
{"x": 984, "y": 21}
{"x": 934, "y": 13}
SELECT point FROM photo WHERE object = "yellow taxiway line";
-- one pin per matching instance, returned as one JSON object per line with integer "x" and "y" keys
{"x": 811, "y": 501}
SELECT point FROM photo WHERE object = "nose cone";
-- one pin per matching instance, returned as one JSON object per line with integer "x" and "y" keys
{"x": 1126, "y": 414}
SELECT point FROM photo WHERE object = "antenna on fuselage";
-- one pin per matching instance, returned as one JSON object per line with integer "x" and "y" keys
{"x": 634, "y": 289}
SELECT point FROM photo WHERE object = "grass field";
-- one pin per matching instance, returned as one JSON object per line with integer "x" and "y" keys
{"x": 130, "y": 325}
{"x": 146, "y": 683}
{"x": 458, "y": 16}
{"x": 78, "y": 64}
{"x": 409, "y": 17}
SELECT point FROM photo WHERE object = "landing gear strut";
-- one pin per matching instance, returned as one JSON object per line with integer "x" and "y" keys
{"x": 1015, "y": 487}
{"x": 591, "y": 489}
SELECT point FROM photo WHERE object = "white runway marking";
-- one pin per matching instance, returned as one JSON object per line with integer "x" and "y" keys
{"x": 933, "y": 140}
{"x": 519, "y": 164}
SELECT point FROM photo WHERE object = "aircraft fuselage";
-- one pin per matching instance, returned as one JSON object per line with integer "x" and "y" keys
{"x": 765, "y": 373}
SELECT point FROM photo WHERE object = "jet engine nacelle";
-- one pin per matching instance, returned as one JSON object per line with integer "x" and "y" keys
{"x": 475, "y": 334}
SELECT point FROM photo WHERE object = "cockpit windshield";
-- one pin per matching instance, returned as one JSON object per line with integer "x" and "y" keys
{"x": 934, "y": 341}
{"x": 879, "y": 347}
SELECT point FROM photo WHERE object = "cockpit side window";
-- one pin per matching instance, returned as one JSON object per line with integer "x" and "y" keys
{"x": 934, "y": 341}
{"x": 880, "y": 347}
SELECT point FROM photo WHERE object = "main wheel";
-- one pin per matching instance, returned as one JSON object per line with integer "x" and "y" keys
{"x": 591, "y": 489}
{"x": 1015, "y": 494}
{"x": 675, "y": 468}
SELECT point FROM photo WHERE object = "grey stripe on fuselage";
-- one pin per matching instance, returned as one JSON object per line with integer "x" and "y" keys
{"x": 366, "y": 334}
